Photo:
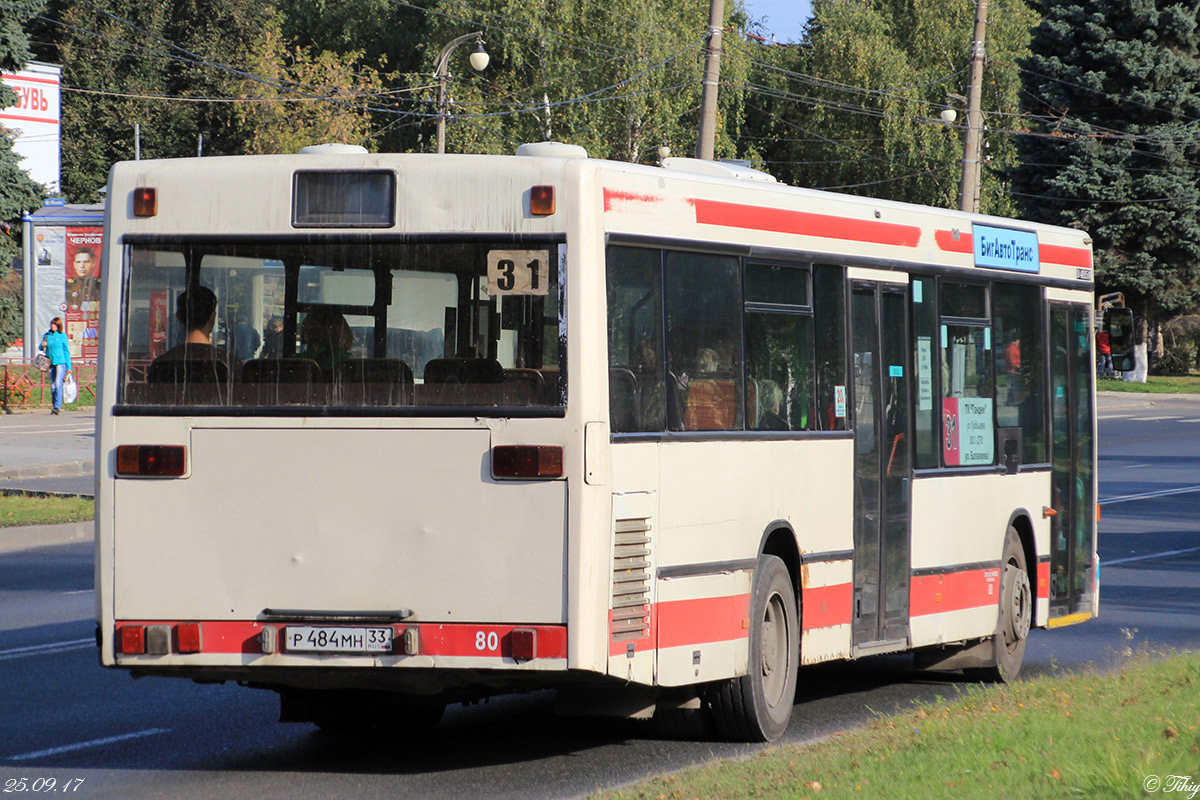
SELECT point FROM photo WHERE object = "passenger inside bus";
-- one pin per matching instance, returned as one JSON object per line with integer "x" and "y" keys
{"x": 327, "y": 339}
{"x": 194, "y": 359}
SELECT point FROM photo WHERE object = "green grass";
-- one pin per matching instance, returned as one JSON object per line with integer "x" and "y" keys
{"x": 1155, "y": 384}
{"x": 32, "y": 510}
{"x": 1083, "y": 735}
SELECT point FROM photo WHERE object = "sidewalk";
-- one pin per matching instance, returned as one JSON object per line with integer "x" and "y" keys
{"x": 30, "y": 537}
{"x": 41, "y": 452}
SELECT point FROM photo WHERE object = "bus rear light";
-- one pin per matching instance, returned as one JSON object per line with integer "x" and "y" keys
{"x": 523, "y": 643}
{"x": 188, "y": 636}
{"x": 151, "y": 460}
{"x": 132, "y": 640}
{"x": 541, "y": 201}
{"x": 527, "y": 461}
{"x": 145, "y": 201}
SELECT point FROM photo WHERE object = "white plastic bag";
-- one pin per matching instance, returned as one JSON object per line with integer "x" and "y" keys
{"x": 70, "y": 388}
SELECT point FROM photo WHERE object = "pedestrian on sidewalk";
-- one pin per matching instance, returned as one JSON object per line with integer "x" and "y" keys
{"x": 58, "y": 350}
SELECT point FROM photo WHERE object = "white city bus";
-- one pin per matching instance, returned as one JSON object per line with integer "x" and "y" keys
{"x": 652, "y": 436}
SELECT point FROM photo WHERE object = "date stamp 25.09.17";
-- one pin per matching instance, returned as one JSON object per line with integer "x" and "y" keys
{"x": 41, "y": 785}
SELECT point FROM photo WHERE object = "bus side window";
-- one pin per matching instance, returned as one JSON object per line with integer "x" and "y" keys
{"x": 636, "y": 385}
{"x": 829, "y": 323}
{"x": 704, "y": 339}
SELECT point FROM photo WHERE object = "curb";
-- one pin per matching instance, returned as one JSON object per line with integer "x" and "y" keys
{"x": 30, "y": 537}
{"x": 64, "y": 469}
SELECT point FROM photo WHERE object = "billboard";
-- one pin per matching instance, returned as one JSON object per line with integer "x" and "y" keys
{"x": 66, "y": 278}
{"x": 34, "y": 120}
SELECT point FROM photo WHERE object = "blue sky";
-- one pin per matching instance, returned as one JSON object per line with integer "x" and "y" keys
{"x": 784, "y": 18}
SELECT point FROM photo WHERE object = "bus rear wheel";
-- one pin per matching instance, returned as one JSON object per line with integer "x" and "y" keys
{"x": 756, "y": 707}
{"x": 1016, "y": 616}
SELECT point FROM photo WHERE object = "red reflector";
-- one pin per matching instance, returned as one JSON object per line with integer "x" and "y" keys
{"x": 527, "y": 461}
{"x": 524, "y": 644}
{"x": 188, "y": 634}
{"x": 541, "y": 201}
{"x": 133, "y": 640}
{"x": 154, "y": 460}
{"x": 145, "y": 201}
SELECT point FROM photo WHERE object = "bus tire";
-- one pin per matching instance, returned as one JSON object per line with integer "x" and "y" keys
{"x": 1015, "y": 618}
{"x": 756, "y": 707}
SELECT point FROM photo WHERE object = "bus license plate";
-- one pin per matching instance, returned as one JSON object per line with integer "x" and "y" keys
{"x": 303, "y": 638}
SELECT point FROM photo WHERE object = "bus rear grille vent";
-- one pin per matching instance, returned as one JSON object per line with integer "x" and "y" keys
{"x": 631, "y": 580}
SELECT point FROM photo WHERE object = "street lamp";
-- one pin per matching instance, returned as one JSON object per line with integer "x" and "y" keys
{"x": 479, "y": 61}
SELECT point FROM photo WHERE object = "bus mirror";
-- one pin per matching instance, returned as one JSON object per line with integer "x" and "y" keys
{"x": 1118, "y": 322}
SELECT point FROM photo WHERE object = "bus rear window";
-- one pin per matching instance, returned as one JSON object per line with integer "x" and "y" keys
{"x": 458, "y": 327}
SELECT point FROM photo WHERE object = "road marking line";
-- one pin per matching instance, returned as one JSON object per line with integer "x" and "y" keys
{"x": 44, "y": 649}
{"x": 1147, "y": 558}
{"x": 1138, "y": 466}
{"x": 80, "y": 591}
{"x": 67, "y": 748}
{"x": 1129, "y": 498}
{"x": 1153, "y": 419}
{"x": 1190, "y": 420}
{"x": 41, "y": 431}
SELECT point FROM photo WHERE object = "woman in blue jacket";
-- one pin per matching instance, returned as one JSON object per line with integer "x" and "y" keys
{"x": 58, "y": 349}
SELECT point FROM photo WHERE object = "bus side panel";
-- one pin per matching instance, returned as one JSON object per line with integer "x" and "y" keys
{"x": 717, "y": 501}
{"x": 959, "y": 525}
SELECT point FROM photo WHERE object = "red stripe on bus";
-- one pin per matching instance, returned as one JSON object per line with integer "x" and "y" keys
{"x": 459, "y": 639}
{"x": 1079, "y": 257}
{"x": 806, "y": 223}
{"x": 1043, "y": 580}
{"x": 704, "y": 620}
{"x": 1065, "y": 256}
{"x": 946, "y": 240}
{"x": 614, "y": 196}
{"x": 681, "y": 623}
{"x": 954, "y": 591}
{"x": 826, "y": 606}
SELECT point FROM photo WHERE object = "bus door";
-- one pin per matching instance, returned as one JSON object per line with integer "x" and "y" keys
{"x": 879, "y": 321}
{"x": 1072, "y": 526}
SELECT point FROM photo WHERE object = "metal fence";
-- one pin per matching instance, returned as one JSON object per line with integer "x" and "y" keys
{"x": 22, "y": 385}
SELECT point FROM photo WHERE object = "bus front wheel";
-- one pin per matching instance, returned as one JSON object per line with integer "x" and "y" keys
{"x": 757, "y": 706}
{"x": 1016, "y": 615}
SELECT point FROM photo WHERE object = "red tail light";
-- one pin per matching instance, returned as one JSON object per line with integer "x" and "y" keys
{"x": 188, "y": 635}
{"x": 133, "y": 640}
{"x": 151, "y": 460}
{"x": 527, "y": 461}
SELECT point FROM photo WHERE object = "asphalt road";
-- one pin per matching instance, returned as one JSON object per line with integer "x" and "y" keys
{"x": 63, "y": 717}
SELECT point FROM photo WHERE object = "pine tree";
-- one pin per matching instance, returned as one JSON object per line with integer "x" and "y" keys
{"x": 1114, "y": 88}
{"x": 18, "y": 192}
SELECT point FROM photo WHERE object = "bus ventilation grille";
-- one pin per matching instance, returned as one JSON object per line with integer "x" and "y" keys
{"x": 631, "y": 580}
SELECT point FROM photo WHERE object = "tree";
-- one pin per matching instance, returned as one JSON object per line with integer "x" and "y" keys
{"x": 1114, "y": 90}
{"x": 172, "y": 68}
{"x": 308, "y": 98}
{"x": 18, "y": 192}
{"x": 620, "y": 78}
{"x": 862, "y": 97}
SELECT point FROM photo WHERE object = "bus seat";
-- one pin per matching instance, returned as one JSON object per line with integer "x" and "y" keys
{"x": 529, "y": 380}
{"x": 187, "y": 370}
{"x": 374, "y": 370}
{"x": 464, "y": 370}
{"x": 374, "y": 381}
{"x": 282, "y": 381}
{"x": 281, "y": 370}
{"x": 711, "y": 405}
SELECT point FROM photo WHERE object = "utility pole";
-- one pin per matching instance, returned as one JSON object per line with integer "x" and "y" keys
{"x": 968, "y": 196}
{"x": 706, "y": 140}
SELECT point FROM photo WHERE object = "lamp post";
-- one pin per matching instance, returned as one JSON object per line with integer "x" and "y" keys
{"x": 479, "y": 61}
